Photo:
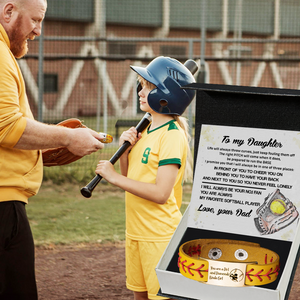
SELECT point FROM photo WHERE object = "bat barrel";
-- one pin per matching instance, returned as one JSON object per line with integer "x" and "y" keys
{"x": 119, "y": 152}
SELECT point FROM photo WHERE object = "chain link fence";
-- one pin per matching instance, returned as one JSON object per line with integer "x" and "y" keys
{"x": 80, "y": 66}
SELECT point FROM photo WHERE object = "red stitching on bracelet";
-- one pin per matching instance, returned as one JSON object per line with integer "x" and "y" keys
{"x": 199, "y": 270}
{"x": 178, "y": 262}
{"x": 188, "y": 267}
{"x": 276, "y": 271}
{"x": 259, "y": 275}
{"x": 194, "y": 250}
{"x": 248, "y": 276}
{"x": 267, "y": 274}
{"x": 182, "y": 264}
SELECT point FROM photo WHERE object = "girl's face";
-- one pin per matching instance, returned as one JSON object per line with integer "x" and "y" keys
{"x": 143, "y": 94}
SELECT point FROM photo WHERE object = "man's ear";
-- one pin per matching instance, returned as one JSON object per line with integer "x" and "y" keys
{"x": 7, "y": 12}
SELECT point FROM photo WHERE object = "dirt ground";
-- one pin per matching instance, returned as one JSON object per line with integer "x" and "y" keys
{"x": 91, "y": 272}
{"x": 82, "y": 272}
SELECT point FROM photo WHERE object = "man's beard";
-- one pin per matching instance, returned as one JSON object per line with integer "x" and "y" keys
{"x": 18, "y": 44}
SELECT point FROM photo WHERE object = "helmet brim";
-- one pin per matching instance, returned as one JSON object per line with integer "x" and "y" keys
{"x": 143, "y": 72}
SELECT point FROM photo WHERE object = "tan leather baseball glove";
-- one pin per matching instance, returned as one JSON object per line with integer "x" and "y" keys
{"x": 62, "y": 156}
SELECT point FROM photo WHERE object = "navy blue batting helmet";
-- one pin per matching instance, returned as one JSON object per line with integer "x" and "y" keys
{"x": 169, "y": 76}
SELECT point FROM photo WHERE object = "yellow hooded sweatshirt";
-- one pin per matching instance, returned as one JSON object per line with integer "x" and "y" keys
{"x": 21, "y": 171}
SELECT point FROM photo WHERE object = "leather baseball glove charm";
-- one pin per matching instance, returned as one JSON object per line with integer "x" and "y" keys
{"x": 62, "y": 156}
{"x": 276, "y": 213}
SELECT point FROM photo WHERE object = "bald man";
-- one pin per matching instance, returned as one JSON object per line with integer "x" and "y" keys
{"x": 21, "y": 139}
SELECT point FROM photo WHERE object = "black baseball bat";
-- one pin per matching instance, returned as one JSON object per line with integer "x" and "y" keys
{"x": 87, "y": 190}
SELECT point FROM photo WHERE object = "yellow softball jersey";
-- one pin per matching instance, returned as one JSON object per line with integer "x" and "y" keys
{"x": 146, "y": 220}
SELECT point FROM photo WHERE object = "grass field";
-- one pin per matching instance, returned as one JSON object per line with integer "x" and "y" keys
{"x": 59, "y": 214}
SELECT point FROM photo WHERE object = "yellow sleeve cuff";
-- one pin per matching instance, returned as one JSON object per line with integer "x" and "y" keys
{"x": 13, "y": 133}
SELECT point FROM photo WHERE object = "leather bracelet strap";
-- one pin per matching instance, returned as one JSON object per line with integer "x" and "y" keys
{"x": 228, "y": 262}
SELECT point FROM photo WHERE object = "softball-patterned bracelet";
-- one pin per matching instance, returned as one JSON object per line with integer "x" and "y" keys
{"x": 228, "y": 262}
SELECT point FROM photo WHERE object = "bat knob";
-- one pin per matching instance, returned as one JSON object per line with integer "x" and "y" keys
{"x": 85, "y": 191}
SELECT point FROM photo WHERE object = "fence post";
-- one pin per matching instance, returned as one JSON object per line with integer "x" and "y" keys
{"x": 41, "y": 76}
{"x": 201, "y": 76}
{"x": 190, "y": 107}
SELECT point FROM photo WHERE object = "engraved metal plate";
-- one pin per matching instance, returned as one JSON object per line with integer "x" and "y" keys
{"x": 226, "y": 273}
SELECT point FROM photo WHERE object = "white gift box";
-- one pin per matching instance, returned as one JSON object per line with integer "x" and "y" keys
{"x": 247, "y": 171}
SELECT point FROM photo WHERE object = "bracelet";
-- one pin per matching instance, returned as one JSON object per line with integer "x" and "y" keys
{"x": 228, "y": 262}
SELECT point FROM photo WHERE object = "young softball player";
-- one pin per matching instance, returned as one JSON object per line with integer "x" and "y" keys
{"x": 152, "y": 171}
